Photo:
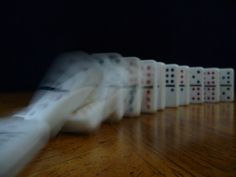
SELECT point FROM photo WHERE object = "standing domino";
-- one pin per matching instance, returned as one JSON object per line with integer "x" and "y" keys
{"x": 227, "y": 84}
{"x": 134, "y": 97}
{"x": 211, "y": 85}
{"x": 149, "y": 83}
{"x": 184, "y": 85}
{"x": 196, "y": 85}
{"x": 161, "y": 91}
{"x": 172, "y": 85}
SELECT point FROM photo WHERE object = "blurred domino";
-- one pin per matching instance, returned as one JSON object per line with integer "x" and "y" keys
{"x": 161, "y": 92}
{"x": 211, "y": 85}
{"x": 134, "y": 98}
{"x": 20, "y": 140}
{"x": 172, "y": 85}
{"x": 63, "y": 91}
{"x": 90, "y": 117}
{"x": 115, "y": 79}
{"x": 196, "y": 85}
{"x": 184, "y": 85}
{"x": 149, "y": 84}
{"x": 227, "y": 84}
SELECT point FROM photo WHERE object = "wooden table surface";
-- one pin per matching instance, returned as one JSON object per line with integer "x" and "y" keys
{"x": 196, "y": 140}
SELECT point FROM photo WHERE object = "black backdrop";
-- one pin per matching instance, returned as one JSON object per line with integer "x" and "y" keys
{"x": 195, "y": 33}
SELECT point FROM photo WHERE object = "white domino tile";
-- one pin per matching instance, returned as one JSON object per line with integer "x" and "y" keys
{"x": 211, "y": 85}
{"x": 196, "y": 85}
{"x": 134, "y": 97}
{"x": 184, "y": 97}
{"x": 172, "y": 85}
{"x": 149, "y": 82}
{"x": 161, "y": 91}
{"x": 227, "y": 84}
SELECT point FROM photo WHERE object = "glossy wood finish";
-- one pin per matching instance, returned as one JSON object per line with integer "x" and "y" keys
{"x": 196, "y": 140}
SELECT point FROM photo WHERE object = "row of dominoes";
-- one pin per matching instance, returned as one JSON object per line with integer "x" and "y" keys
{"x": 172, "y": 85}
{"x": 81, "y": 91}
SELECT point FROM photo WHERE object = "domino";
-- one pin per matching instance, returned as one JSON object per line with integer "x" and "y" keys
{"x": 172, "y": 85}
{"x": 56, "y": 100}
{"x": 116, "y": 77}
{"x": 88, "y": 118}
{"x": 20, "y": 141}
{"x": 227, "y": 84}
{"x": 161, "y": 92}
{"x": 211, "y": 85}
{"x": 184, "y": 98}
{"x": 196, "y": 85}
{"x": 134, "y": 98}
{"x": 149, "y": 84}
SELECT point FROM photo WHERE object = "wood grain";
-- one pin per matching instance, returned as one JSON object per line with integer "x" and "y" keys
{"x": 195, "y": 140}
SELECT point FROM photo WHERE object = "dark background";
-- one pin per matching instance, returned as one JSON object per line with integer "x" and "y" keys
{"x": 195, "y": 33}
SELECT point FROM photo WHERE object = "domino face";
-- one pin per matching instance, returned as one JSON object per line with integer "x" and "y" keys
{"x": 196, "y": 85}
{"x": 184, "y": 98}
{"x": 227, "y": 84}
{"x": 211, "y": 85}
{"x": 161, "y": 92}
{"x": 149, "y": 82}
{"x": 172, "y": 85}
{"x": 134, "y": 98}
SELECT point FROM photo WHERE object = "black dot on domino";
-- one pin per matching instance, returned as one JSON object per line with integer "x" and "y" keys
{"x": 172, "y": 81}
{"x": 198, "y": 72}
{"x": 193, "y": 77}
{"x": 167, "y": 75}
{"x": 182, "y": 89}
{"x": 223, "y": 93}
{"x": 172, "y": 89}
{"x": 172, "y": 75}
{"x": 228, "y": 88}
{"x": 172, "y": 70}
{"x": 228, "y": 97}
